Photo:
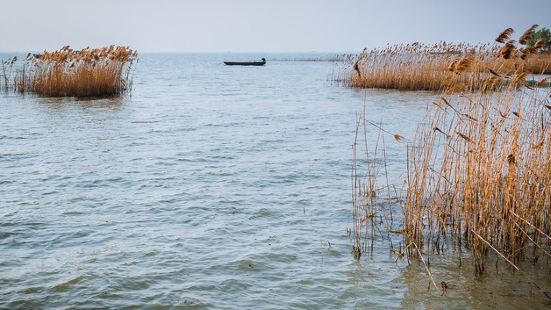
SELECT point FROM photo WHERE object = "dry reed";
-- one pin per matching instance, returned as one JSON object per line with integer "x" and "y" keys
{"x": 441, "y": 66}
{"x": 480, "y": 171}
{"x": 72, "y": 73}
{"x": 478, "y": 168}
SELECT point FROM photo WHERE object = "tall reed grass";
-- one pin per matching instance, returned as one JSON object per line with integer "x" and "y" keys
{"x": 72, "y": 73}
{"x": 438, "y": 67}
{"x": 480, "y": 172}
{"x": 478, "y": 168}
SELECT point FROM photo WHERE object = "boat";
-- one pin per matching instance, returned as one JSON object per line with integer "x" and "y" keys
{"x": 246, "y": 63}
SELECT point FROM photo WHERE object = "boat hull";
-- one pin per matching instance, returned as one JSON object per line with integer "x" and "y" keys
{"x": 244, "y": 63}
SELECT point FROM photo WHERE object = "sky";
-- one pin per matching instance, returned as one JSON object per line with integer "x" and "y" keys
{"x": 258, "y": 25}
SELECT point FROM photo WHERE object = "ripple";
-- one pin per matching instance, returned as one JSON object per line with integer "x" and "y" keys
{"x": 65, "y": 286}
{"x": 219, "y": 192}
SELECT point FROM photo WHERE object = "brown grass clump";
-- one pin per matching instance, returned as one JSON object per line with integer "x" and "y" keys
{"x": 416, "y": 66}
{"x": 437, "y": 67}
{"x": 480, "y": 172}
{"x": 73, "y": 73}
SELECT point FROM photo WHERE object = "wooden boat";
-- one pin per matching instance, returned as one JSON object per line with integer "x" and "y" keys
{"x": 246, "y": 63}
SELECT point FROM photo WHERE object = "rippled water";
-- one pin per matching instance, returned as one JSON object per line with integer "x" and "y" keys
{"x": 210, "y": 187}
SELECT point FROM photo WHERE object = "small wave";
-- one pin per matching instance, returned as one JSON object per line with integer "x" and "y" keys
{"x": 66, "y": 285}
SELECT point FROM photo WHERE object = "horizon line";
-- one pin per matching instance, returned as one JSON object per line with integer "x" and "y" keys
{"x": 207, "y": 52}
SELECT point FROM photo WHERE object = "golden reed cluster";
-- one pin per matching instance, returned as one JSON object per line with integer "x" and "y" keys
{"x": 479, "y": 167}
{"x": 89, "y": 72}
{"x": 427, "y": 67}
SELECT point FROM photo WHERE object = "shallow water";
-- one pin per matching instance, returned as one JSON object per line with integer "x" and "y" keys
{"x": 211, "y": 187}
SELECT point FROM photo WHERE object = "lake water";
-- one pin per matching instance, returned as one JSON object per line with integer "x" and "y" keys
{"x": 211, "y": 187}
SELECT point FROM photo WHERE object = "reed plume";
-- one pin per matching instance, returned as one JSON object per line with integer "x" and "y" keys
{"x": 505, "y": 35}
{"x": 527, "y": 35}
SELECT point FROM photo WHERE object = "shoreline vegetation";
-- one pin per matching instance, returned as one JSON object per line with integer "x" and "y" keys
{"x": 445, "y": 66}
{"x": 90, "y": 72}
{"x": 478, "y": 175}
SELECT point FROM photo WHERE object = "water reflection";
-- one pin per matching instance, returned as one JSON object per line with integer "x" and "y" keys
{"x": 500, "y": 287}
{"x": 108, "y": 103}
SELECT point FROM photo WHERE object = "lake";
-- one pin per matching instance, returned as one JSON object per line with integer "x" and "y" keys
{"x": 212, "y": 187}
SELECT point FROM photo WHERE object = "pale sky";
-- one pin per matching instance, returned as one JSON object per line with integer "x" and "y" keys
{"x": 258, "y": 25}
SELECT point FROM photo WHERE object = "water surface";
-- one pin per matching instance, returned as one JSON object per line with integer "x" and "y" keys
{"x": 211, "y": 187}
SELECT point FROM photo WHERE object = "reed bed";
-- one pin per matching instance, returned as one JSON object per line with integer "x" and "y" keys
{"x": 72, "y": 73}
{"x": 408, "y": 66}
{"x": 478, "y": 168}
{"x": 438, "y": 67}
{"x": 479, "y": 171}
